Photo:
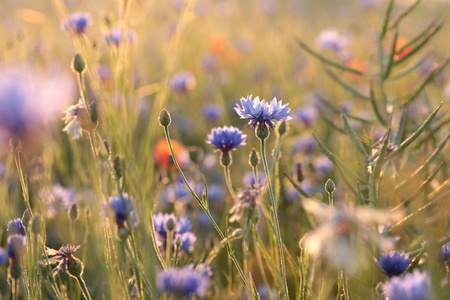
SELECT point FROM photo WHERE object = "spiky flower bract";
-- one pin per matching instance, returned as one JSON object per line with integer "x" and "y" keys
{"x": 261, "y": 112}
{"x": 77, "y": 119}
{"x": 63, "y": 259}
{"x": 226, "y": 138}
{"x": 393, "y": 263}
{"x": 182, "y": 282}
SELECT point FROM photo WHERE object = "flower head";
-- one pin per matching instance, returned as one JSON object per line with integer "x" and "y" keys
{"x": 117, "y": 35}
{"x": 212, "y": 112}
{"x": 445, "y": 252}
{"x": 247, "y": 200}
{"x": 412, "y": 286}
{"x": 261, "y": 112}
{"x": 3, "y": 257}
{"x": 63, "y": 259}
{"x": 162, "y": 157}
{"x": 182, "y": 82}
{"x": 181, "y": 230}
{"x": 123, "y": 207}
{"x": 182, "y": 282}
{"x": 16, "y": 227}
{"x": 17, "y": 244}
{"x": 393, "y": 263}
{"x": 226, "y": 138}
{"x": 331, "y": 39}
{"x": 59, "y": 199}
{"x": 77, "y": 22}
{"x": 307, "y": 115}
{"x": 77, "y": 119}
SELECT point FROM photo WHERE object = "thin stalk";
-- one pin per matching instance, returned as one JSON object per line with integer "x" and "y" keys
{"x": 206, "y": 210}
{"x": 227, "y": 175}
{"x": 275, "y": 215}
{"x": 83, "y": 288}
{"x": 260, "y": 263}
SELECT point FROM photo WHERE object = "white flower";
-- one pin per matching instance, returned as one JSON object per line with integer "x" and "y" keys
{"x": 77, "y": 119}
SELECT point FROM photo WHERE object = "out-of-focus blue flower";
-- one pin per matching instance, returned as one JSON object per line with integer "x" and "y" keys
{"x": 445, "y": 252}
{"x": 331, "y": 39}
{"x": 116, "y": 35}
{"x": 346, "y": 106}
{"x": 262, "y": 112}
{"x": 306, "y": 114}
{"x": 215, "y": 192}
{"x": 16, "y": 227}
{"x": 17, "y": 244}
{"x": 77, "y": 22}
{"x": 209, "y": 61}
{"x": 182, "y": 282}
{"x": 212, "y": 112}
{"x": 412, "y": 286}
{"x": 122, "y": 206}
{"x": 182, "y": 82}
{"x": 3, "y": 257}
{"x": 58, "y": 198}
{"x": 249, "y": 178}
{"x": 182, "y": 230}
{"x": 323, "y": 164}
{"x": 207, "y": 271}
{"x": 226, "y": 138}
{"x": 393, "y": 263}
{"x": 303, "y": 144}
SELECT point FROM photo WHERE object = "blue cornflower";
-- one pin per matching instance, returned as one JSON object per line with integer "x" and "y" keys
{"x": 116, "y": 35}
{"x": 226, "y": 138}
{"x": 303, "y": 144}
{"x": 306, "y": 114}
{"x": 16, "y": 227}
{"x": 212, "y": 112}
{"x": 122, "y": 206}
{"x": 17, "y": 244}
{"x": 77, "y": 22}
{"x": 181, "y": 230}
{"x": 262, "y": 112}
{"x": 412, "y": 286}
{"x": 393, "y": 263}
{"x": 182, "y": 82}
{"x": 445, "y": 252}
{"x": 182, "y": 282}
{"x": 3, "y": 257}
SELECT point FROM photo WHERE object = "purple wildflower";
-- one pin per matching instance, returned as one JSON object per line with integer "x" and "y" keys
{"x": 226, "y": 138}
{"x": 77, "y": 22}
{"x": 262, "y": 112}
{"x": 17, "y": 244}
{"x": 16, "y": 227}
{"x": 182, "y": 282}
{"x": 412, "y": 286}
{"x": 393, "y": 263}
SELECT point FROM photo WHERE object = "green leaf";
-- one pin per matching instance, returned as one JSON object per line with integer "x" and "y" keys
{"x": 375, "y": 106}
{"x": 413, "y": 136}
{"x": 391, "y": 56}
{"x": 422, "y": 167}
{"x": 347, "y": 86}
{"x": 401, "y": 131}
{"x": 397, "y": 20}
{"x": 387, "y": 16}
{"x": 352, "y": 134}
{"x": 329, "y": 61}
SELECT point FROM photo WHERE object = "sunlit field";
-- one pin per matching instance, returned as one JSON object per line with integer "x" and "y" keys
{"x": 224, "y": 149}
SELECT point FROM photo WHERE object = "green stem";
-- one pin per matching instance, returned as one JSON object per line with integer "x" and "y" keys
{"x": 226, "y": 172}
{"x": 206, "y": 210}
{"x": 275, "y": 215}
{"x": 83, "y": 288}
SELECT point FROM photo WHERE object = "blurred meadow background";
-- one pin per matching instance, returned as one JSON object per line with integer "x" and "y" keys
{"x": 351, "y": 202}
